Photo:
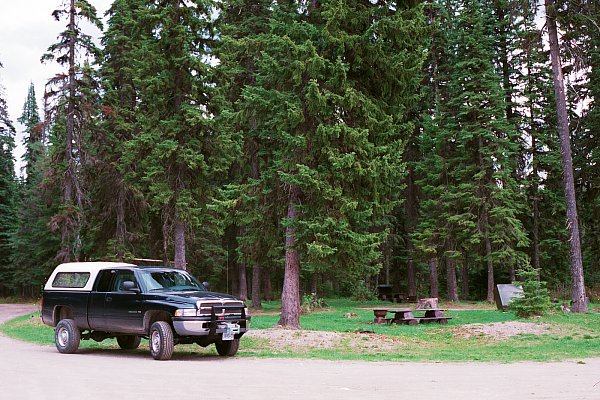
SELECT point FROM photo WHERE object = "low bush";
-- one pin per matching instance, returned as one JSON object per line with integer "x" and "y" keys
{"x": 311, "y": 302}
{"x": 535, "y": 300}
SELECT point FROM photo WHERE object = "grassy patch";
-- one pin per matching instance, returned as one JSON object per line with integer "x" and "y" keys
{"x": 567, "y": 336}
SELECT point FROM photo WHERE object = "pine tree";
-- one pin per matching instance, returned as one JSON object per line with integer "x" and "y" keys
{"x": 71, "y": 97}
{"x": 536, "y": 122}
{"x": 578, "y": 297}
{"x": 30, "y": 119}
{"x": 471, "y": 197}
{"x": 332, "y": 81}
{"x": 580, "y": 38}
{"x": 241, "y": 23}
{"x": 179, "y": 153}
{"x": 33, "y": 247}
{"x": 8, "y": 192}
{"x": 120, "y": 209}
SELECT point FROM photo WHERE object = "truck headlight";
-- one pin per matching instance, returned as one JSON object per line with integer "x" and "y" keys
{"x": 185, "y": 312}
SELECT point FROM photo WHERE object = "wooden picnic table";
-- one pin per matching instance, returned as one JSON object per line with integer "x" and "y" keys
{"x": 406, "y": 316}
{"x": 434, "y": 315}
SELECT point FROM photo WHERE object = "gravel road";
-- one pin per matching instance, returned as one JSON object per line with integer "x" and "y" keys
{"x": 38, "y": 372}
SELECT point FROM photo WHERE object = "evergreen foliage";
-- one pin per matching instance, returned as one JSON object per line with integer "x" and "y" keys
{"x": 535, "y": 300}
{"x": 8, "y": 193}
{"x": 327, "y": 146}
{"x": 71, "y": 98}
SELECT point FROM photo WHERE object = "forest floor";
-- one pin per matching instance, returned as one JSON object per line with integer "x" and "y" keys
{"x": 306, "y": 340}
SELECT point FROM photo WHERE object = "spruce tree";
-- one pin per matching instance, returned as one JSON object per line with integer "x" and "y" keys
{"x": 241, "y": 23}
{"x": 34, "y": 247}
{"x": 30, "y": 119}
{"x": 119, "y": 207}
{"x": 578, "y": 23}
{"x": 578, "y": 296}
{"x": 332, "y": 82}
{"x": 8, "y": 192}
{"x": 471, "y": 198}
{"x": 178, "y": 152}
{"x": 71, "y": 97}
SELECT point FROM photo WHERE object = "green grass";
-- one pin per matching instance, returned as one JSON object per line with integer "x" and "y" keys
{"x": 572, "y": 337}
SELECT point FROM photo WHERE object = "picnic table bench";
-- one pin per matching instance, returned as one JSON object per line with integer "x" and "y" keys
{"x": 406, "y": 316}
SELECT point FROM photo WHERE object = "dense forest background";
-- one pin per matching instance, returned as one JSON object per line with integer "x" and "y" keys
{"x": 347, "y": 143}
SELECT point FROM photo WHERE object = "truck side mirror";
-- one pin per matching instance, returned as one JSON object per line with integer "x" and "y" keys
{"x": 205, "y": 284}
{"x": 130, "y": 286}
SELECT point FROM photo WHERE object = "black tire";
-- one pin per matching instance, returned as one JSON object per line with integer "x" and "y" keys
{"x": 129, "y": 342}
{"x": 228, "y": 348}
{"x": 161, "y": 340}
{"x": 67, "y": 336}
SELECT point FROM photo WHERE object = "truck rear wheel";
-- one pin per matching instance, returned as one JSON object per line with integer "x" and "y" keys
{"x": 129, "y": 342}
{"x": 67, "y": 336}
{"x": 161, "y": 340}
{"x": 228, "y": 348}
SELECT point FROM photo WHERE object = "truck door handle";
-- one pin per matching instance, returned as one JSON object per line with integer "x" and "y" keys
{"x": 108, "y": 299}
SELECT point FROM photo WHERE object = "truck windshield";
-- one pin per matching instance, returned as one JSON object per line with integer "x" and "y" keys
{"x": 169, "y": 281}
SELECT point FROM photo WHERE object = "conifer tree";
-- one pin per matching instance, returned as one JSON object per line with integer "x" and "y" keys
{"x": 178, "y": 152}
{"x": 578, "y": 296}
{"x": 30, "y": 119}
{"x": 241, "y": 24}
{"x": 120, "y": 209}
{"x": 471, "y": 198}
{"x": 580, "y": 37}
{"x": 34, "y": 248}
{"x": 332, "y": 81}
{"x": 70, "y": 97}
{"x": 8, "y": 191}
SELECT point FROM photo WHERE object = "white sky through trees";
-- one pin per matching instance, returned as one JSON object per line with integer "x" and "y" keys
{"x": 27, "y": 28}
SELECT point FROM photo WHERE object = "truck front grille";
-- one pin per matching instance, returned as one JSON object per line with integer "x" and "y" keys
{"x": 222, "y": 308}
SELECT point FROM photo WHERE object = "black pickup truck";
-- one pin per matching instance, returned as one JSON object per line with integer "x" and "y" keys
{"x": 167, "y": 306}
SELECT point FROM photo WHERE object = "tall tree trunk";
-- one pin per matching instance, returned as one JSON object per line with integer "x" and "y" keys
{"x": 386, "y": 259}
{"x": 464, "y": 293}
{"x": 433, "y": 277}
{"x": 243, "y": 292}
{"x": 484, "y": 223}
{"x": 411, "y": 212}
{"x": 501, "y": 11}
{"x": 242, "y": 275}
{"x": 578, "y": 297}
{"x": 256, "y": 281}
{"x": 511, "y": 273}
{"x": 490, "y": 266}
{"x": 290, "y": 296}
{"x": 69, "y": 174}
{"x": 179, "y": 232}
{"x": 120, "y": 223}
{"x": 535, "y": 190}
{"x": 267, "y": 284}
{"x": 451, "y": 284}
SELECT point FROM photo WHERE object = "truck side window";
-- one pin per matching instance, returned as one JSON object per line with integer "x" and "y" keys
{"x": 122, "y": 276}
{"x": 104, "y": 280}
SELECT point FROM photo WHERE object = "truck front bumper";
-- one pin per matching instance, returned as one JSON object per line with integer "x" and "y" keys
{"x": 191, "y": 327}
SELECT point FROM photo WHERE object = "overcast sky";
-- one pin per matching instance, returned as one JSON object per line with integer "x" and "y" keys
{"x": 27, "y": 28}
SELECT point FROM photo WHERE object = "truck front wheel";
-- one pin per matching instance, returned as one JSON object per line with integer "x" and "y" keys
{"x": 67, "y": 336}
{"x": 228, "y": 348}
{"x": 161, "y": 340}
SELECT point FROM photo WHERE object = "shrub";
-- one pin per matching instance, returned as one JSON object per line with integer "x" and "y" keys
{"x": 535, "y": 300}
{"x": 362, "y": 292}
{"x": 310, "y": 303}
